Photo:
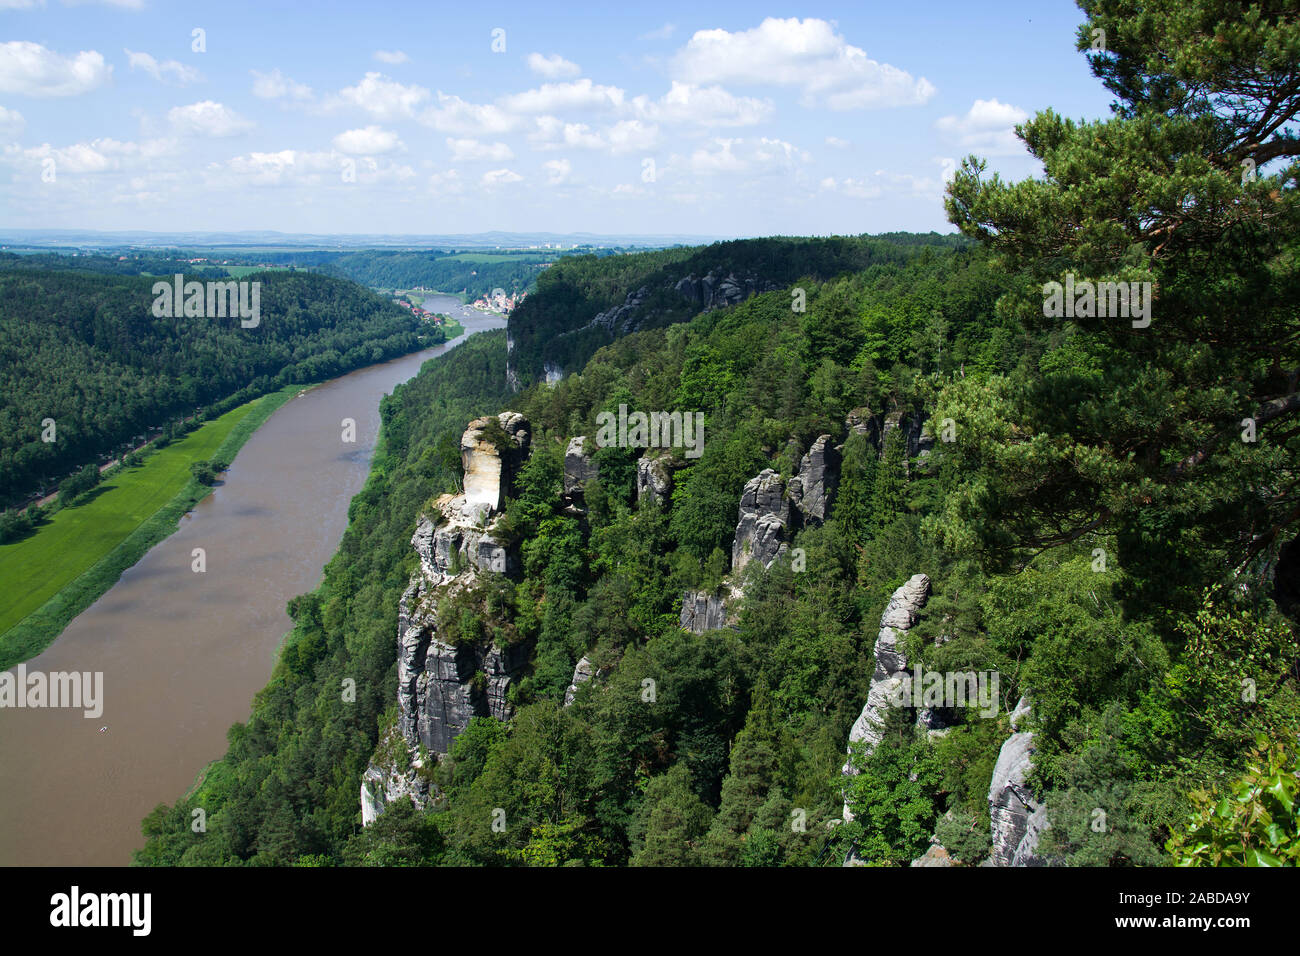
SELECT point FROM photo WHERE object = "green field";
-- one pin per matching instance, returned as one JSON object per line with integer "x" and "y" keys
{"x": 76, "y": 556}
{"x": 239, "y": 272}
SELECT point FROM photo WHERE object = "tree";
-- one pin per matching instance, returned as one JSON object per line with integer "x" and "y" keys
{"x": 1180, "y": 435}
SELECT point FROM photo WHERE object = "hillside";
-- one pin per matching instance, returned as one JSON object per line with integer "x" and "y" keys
{"x": 84, "y": 349}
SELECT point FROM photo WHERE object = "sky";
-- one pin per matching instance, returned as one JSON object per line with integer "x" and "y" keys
{"x": 709, "y": 119}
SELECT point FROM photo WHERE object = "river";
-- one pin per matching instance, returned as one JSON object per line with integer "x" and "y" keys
{"x": 183, "y": 653}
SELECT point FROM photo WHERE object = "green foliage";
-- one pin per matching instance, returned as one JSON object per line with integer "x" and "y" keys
{"x": 1256, "y": 823}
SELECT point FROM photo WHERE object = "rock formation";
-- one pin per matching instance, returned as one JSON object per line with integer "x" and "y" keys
{"x": 703, "y": 611}
{"x": 578, "y": 470}
{"x": 891, "y": 665}
{"x": 582, "y": 673}
{"x": 654, "y": 479}
{"x": 441, "y": 685}
{"x": 490, "y": 466}
{"x": 622, "y": 318}
{"x": 812, "y": 489}
{"x": 764, "y": 522}
{"x": 714, "y": 291}
{"x": 1017, "y": 818}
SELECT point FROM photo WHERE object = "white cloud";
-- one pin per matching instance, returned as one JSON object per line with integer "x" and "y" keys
{"x": 33, "y": 70}
{"x": 761, "y": 156}
{"x": 631, "y": 136}
{"x": 446, "y": 183}
{"x": 207, "y": 118}
{"x": 11, "y": 123}
{"x": 95, "y": 156}
{"x": 557, "y": 97}
{"x": 720, "y": 160}
{"x": 988, "y": 127}
{"x": 706, "y": 106}
{"x": 168, "y": 69}
{"x": 853, "y": 188}
{"x": 454, "y": 115}
{"x": 275, "y": 85}
{"x": 836, "y": 143}
{"x": 804, "y": 54}
{"x": 391, "y": 56}
{"x": 383, "y": 98}
{"x": 552, "y": 67}
{"x": 367, "y": 141}
{"x": 499, "y": 177}
{"x": 471, "y": 150}
{"x": 557, "y": 171}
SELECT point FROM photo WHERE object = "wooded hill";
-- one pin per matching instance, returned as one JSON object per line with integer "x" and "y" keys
{"x": 84, "y": 349}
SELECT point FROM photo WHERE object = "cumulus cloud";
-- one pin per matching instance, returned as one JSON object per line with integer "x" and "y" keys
{"x": 383, "y": 98}
{"x": 987, "y": 127}
{"x": 836, "y": 143}
{"x": 207, "y": 118}
{"x": 558, "y": 97}
{"x": 32, "y": 70}
{"x": 552, "y": 67}
{"x": 172, "y": 70}
{"x": 854, "y": 188}
{"x": 557, "y": 171}
{"x": 95, "y": 156}
{"x": 454, "y": 115}
{"x": 807, "y": 55}
{"x": 762, "y": 156}
{"x": 706, "y": 106}
{"x": 275, "y": 85}
{"x": 391, "y": 56}
{"x": 500, "y": 177}
{"x": 471, "y": 150}
{"x": 367, "y": 141}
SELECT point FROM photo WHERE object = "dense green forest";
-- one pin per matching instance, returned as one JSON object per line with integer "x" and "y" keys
{"x": 1110, "y": 527}
{"x": 84, "y": 349}
{"x": 556, "y": 327}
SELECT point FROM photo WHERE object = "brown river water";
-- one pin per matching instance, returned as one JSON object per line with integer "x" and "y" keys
{"x": 183, "y": 653}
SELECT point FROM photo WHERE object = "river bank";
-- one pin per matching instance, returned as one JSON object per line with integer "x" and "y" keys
{"x": 183, "y": 653}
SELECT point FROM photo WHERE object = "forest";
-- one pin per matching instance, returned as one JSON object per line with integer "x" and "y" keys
{"x": 1110, "y": 527}
{"x": 83, "y": 348}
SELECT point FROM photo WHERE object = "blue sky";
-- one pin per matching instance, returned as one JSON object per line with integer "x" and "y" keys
{"x": 725, "y": 119}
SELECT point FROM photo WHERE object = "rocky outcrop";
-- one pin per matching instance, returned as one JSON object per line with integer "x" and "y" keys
{"x": 891, "y": 666}
{"x": 1017, "y": 818}
{"x": 812, "y": 489}
{"x": 716, "y": 291}
{"x": 441, "y": 685}
{"x": 490, "y": 466}
{"x": 622, "y": 318}
{"x": 578, "y": 470}
{"x": 385, "y": 782}
{"x": 704, "y": 611}
{"x": 878, "y": 427}
{"x": 764, "y": 522}
{"x": 654, "y": 479}
{"x": 582, "y": 672}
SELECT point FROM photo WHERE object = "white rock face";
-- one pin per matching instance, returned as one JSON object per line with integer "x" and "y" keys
{"x": 581, "y": 674}
{"x": 487, "y": 473}
{"x": 1017, "y": 818}
{"x": 891, "y": 664}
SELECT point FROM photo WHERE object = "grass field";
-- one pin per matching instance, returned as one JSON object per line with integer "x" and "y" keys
{"x": 239, "y": 272}
{"x": 56, "y": 573}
